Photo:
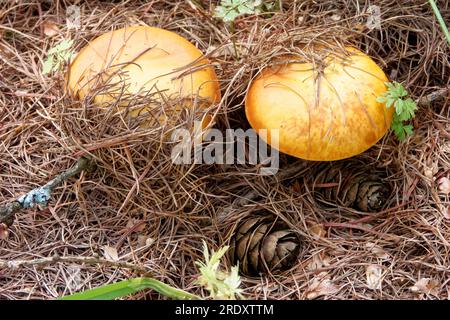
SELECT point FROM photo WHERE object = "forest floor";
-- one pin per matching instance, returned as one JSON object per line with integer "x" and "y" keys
{"x": 138, "y": 207}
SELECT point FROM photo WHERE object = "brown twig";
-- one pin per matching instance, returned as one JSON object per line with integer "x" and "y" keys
{"x": 16, "y": 264}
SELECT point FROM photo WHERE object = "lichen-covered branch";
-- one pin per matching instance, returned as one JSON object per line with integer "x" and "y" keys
{"x": 39, "y": 196}
{"x": 441, "y": 93}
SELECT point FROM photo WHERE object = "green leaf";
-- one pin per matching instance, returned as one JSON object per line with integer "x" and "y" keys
{"x": 229, "y": 10}
{"x": 57, "y": 65}
{"x": 389, "y": 102}
{"x": 405, "y": 108}
{"x": 47, "y": 66}
{"x": 230, "y": 16}
{"x": 401, "y": 90}
{"x": 127, "y": 287}
{"x": 381, "y": 99}
{"x": 408, "y": 129}
{"x": 390, "y": 85}
{"x": 403, "y": 117}
{"x": 62, "y": 46}
{"x": 66, "y": 55}
{"x": 399, "y": 131}
{"x": 57, "y": 56}
{"x": 399, "y": 105}
{"x": 220, "y": 12}
{"x": 410, "y": 107}
{"x": 245, "y": 8}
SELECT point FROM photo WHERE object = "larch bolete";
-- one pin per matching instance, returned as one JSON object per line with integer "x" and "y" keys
{"x": 324, "y": 110}
{"x": 143, "y": 61}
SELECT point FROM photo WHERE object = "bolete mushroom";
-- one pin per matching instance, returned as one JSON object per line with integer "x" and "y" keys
{"x": 142, "y": 60}
{"x": 324, "y": 109}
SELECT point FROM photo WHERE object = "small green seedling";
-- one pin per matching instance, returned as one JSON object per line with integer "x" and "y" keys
{"x": 221, "y": 285}
{"x": 229, "y": 10}
{"x": 57, "y": 56}
{"x": 405, "y": 108}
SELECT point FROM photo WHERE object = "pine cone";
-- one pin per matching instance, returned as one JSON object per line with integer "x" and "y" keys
{"x": 359, "y": 187}
{"x": 263, "y": 245}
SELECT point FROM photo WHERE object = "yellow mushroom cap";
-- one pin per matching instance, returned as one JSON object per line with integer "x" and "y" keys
{"x": 323, "y": 115}
{"x": 142, "y": 60}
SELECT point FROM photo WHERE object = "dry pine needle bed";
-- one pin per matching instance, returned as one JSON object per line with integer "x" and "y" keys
{"x": 368, "y": 235}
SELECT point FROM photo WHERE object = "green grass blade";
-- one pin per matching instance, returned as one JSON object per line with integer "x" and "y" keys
{"x": 441, "y": 21}
{"x": 126, "y": 287}
{"x": 107, "y": 292}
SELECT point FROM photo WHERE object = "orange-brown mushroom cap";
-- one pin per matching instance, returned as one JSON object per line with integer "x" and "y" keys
{"x": 142, "y": 60}
{"x": 323, "y": 115}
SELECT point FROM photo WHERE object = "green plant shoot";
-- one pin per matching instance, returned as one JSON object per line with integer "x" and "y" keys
{"x": 441, "y": 21}
{"x": 229, "y": 10}
{"x": 127, "y": 287}
{"x": 396, "y": 96}
{"x": 221, "y": 285}
{"x": 57, "y": 56}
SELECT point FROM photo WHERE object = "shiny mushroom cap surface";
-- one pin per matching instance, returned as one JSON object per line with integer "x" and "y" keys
{"x": 324, "y": 110}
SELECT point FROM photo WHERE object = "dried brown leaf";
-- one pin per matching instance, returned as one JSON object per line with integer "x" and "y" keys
{"x": 335, "y": 17}
{"x": 427, "y": 286}
{"x": 318, "y": 260}
{"x": 144, "y": 241}
{"x": 110, "y": 253}
{"x": 374, "y": 277}
{"x": 50, "y": 29}
{"x": 377, "y": 250}
{"x": 317, "y": 230}
{"x": 4, "y": 233}
{"x": 446, "y": 213}
{"x": 444, "y": 185}
{"x": 321, "y": 285}
{"x": 430, "y": 169}
{"x": 296, "y": 186}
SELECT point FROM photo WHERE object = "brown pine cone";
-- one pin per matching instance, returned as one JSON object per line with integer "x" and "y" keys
{"x": 358, "y": 186}
{"x": 262, "y": 245}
